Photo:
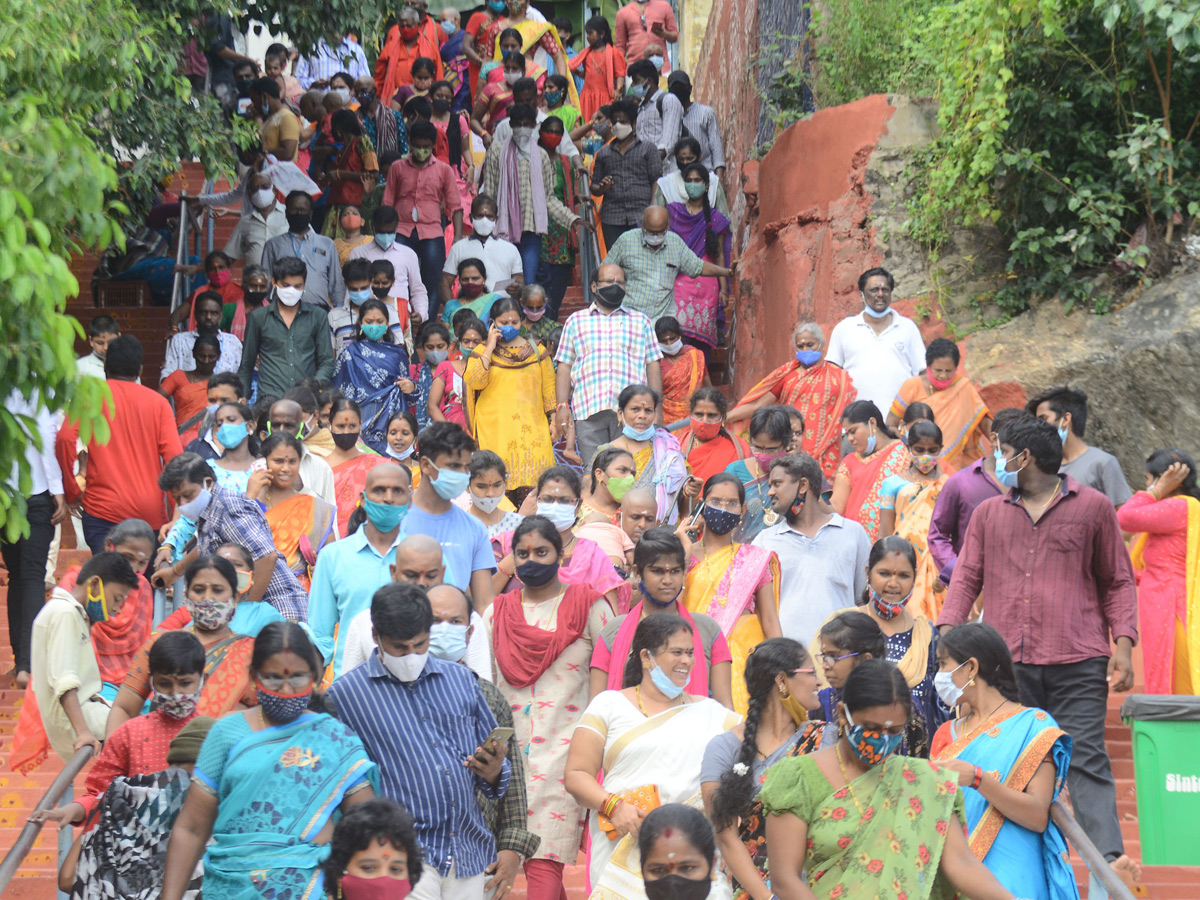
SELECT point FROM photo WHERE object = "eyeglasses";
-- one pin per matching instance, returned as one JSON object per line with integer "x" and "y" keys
{"x": 295, "y": 682}
{"x": 809, "y": 671}
{"x": 828, "y": 660}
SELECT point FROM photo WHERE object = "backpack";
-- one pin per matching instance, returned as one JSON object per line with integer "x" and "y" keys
{"x": 683, "y": 129}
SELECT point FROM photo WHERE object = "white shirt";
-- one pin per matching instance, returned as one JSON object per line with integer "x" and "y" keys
{"x": 179, "y": 353}
{"x": 252, "y": 232}
{"x": 878, "y": 363}
{"x": 360, "y": 645}
{"x": 316, "y": 477}
{"x": 503, "y": 131}
{"x": 343, "y": 319}
{"x": 408, "y": 285}
{"x": 501, "y": 259}
{"x": 44, "y": 471}
{"x": 91, "y": 365}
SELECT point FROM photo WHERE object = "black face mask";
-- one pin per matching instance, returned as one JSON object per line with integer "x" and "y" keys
{"x": 380, "y": 292}
{"x": 720, "y": 521}
{"x": 243, "y": 87}
{"x": 254, "y": 299}
{"x": 441, "y": 106}
{"x": 366, "y": 98}
{"x": 299, "y": 222}
{"x": 345, "y": 439}
{"x": 683, "y": 93}
{"x": 611, "y": 295}
{"x": 536, "y": 574}
{"x": 676, "y": 887}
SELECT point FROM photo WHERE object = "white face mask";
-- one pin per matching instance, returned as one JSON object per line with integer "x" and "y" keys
{"x": 621, "y": 130}
{"x": 513, "y": 77}
{"x": 483, "y": 226}
{"x": 289, "y": 296}
{"x": 263, "y": 198}
{"x": 486, "y": 505}
{"x": 947, "y": 690}
{"x": 406, "y": 668}
{"x": 654, "y": 238}
{"x": 522, "y": 136}
{"x": 672, "y": 348}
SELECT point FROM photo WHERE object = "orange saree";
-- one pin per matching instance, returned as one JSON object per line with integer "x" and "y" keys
{"x": 681, "y": 375}
{"x": 958, "y": 411}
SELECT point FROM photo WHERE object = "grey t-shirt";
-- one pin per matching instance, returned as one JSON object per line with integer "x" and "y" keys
{"x": 1101, "y": 471}
{"x": 722, "y": 752}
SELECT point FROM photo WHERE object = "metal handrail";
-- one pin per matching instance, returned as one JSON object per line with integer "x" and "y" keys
{"x": 1089, "y": 853}
{"x": 202, "y": 237}
{"x": 24, "y": 842}
{"x": 589, "y": 247}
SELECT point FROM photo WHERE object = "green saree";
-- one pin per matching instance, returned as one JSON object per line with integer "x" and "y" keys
{"x": 892, "y": 848}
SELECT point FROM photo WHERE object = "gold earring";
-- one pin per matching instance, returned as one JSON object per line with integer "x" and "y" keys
{"x": 784, "y": 693}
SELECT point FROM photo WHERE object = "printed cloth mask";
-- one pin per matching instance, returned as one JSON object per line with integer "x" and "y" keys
{"x": 486, "y": 505}
{"x": 938, "y": 384}
{"x": 195, "y": 507}
{"x": 509, "y": 332}
{"x": 1003, "y": 475}
{"x": 209, "y": 615}
{"x": 345, "y": 439}
{"x": 677, "y": 887}
{"x": 808, "y": 358}
{"x": 536, "y": 574}
{"x": 231, "y": 435}
{"x": 561, "y": 515}
{"x": 619, "y": 487}
{"x": 635, "y": 435}
{"x": 706, "y": 431}
{"x": 949, "y": 692}
{"x": 886, "y": 610}
{"x": 449, "y": 484}
{"x": 483, "y": 226}
{"x": 611, "y": 295}
{"x": 421, "y": 154}
{"x": 407, "y": 668}
{"x": 663, "y": 682}
{"x": 288, "y": 295}
{"x": 672, "y": 348}
{"x": 355, "y": 887}
{"x": 97, "y": 604}
{"x": 720, "y": 521}
{"x": 695, "y": 189}
{"x": 374, "y": 331}
{"x": 177, "y": 706}
{"x": 925, "y": 463}
{"x": 872, "y": 747}
{"x": 384, "y": 516}
{"x": 220, "y": 278}
{"x": 552, "y": 97}
{"x": 281, "y": 708}
{"x": 448, "y": 641}
{"x": 532, "y": 315}
{"x": 385, "y": 241}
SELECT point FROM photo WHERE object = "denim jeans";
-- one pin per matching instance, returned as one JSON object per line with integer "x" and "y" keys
{"x": 530, "y": 247}
{"x": 431, "y": 254}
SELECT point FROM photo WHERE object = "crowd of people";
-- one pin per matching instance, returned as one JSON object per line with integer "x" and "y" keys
{"x": 396, "y": 577}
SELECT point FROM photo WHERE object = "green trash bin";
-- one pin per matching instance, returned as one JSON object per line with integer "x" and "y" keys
{"x": 1166, "y": 766}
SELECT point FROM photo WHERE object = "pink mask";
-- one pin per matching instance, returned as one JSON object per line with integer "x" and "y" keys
{"x": 938, "y": 384}
{"x": 220, "y": 279}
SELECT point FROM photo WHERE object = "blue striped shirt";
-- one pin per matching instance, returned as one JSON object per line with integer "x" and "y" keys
{"x": 420, "y": 734}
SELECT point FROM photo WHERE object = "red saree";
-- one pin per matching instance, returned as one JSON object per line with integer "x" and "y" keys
{"x": 707, "y": 459}
{"x": 866, "y": 475}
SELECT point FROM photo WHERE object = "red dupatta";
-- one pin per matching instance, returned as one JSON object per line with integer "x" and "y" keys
{"x": 524, "y": 652}
{"x": 707, "y": 458}
{"x": 117, "y": 641}
{"x": 623, "y": 643}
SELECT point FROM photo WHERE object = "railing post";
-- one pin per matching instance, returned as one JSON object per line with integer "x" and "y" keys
{"x": 1088, "y": 852}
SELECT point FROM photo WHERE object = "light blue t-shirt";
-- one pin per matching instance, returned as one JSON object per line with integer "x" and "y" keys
{"x": 465, "y": 545}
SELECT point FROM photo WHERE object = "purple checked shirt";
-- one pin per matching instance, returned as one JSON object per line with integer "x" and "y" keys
{"x": 952, "y": 512}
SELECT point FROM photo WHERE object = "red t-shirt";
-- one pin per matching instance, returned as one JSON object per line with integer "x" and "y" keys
{"x": 122, "y": 475}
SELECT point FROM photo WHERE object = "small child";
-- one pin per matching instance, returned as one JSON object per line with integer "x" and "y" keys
{"x": 101, "y": 330}
{"x": 65, "y": 675}
{"x": 139, "y": 746}
{"x": 423, "y": 73}
{"x": 602, "y": 67}
{"x": 433, "y": 349}
{"x": 402, "y": 442}
{"x": 446, "y": 393}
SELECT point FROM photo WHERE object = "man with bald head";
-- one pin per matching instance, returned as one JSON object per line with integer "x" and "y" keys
{"x": 316, "y": 478}
{"x": 349, "y": 571}
{"x": 651, "y": 257}
{"x": 604, "y": 348}
{"x": 639, "y": 512}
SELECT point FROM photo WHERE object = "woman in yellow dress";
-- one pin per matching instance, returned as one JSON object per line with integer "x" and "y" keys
{"x": 510, "y": 393}
{"x": 735, "y": 584}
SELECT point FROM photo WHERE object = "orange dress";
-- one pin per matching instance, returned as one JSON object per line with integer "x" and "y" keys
{"x": 600, "y": 69}
{"x": 349, "y": 482}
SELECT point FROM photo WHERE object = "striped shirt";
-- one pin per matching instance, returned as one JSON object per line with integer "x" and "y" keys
{"x": 606, "y": 354}
{"x": 325, "y": 62}
{"x": 701, "y": 122}
{"x": 419, "y": 734}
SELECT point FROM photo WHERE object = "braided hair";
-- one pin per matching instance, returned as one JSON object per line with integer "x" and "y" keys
{"x": 712, "y": 241}
{"x": 735, "y": 792}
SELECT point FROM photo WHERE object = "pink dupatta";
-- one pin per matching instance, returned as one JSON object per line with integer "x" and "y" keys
{"x": 589, "y": 566}
{"x": 736, "y": 592}
{"x": 697, "y": 686}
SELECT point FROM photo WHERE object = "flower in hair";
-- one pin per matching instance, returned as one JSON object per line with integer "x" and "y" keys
{"x": 740, "y": 769}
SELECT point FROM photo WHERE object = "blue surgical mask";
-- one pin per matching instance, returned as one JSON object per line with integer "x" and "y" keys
{"x": 808, "y": 358}
{"x": 384, "y": 516}
{"x": 385, "y": 241}
{"x": 374, "y": 331}
{"x": 639, "y": 90}
{"x": 449, "y": 27}
{"x": 663, "y": 682}
{"x": 265, "y": 107}
{"x": 658, "y": 62}
{"x": 872, "y": 747}
{"x": 1063, "y": 434}
{"x": 1006, "y": 478}
{"x": 448, "y": 641}
{"x": 195, "y": 507}
{"x": 497, "y": 6}
{"x": 871, "y": 442}
{"x": 403, "y": 455}
{"x": 358, "y": 297}
{"x": 509, "y": 332}
{"x": 561, "y": 515}
{"x": 876, "y": 315}
{"x": 634, "y": 435}
{"x": 449, "y": 484}
{"x": 231, "y": 435}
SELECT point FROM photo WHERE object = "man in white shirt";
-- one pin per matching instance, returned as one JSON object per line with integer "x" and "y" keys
{"x": 343, "y": 321}
{"x": 315, "y": 474}
{"x": 208, "y": 308}
{"x": 878, "y": 347}
{"x": 822, "y": 556}
{"x": 408, "y": 288}
{"x": 501, "y": 258}
{"x": 45, "y": 506}
{"x": 263, "y": 221}
{"x": 101, "y": 330}
{"x": 525, "y": 91}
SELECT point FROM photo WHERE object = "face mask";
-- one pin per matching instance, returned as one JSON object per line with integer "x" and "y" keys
{"x": 497, "y": 6}
{"x": 421, "y": 154}
{"x": 470, "y": 291}
{"x": 245, "y": 579}
{"x": 244, "y": 85}
{"x": 720, "y": 521}
{"x": 231, "y": 435}
{"x": 663, "y": 682}
{"x": 764, "y": 460}
{"x": 254, "y": 299}
{"x": 195, "y": 507}
{"x": 808, "y": 358}
{"x": 97, "y": 604}
{"x": 509, "y": 332}
{"x": 551, "y": 141}
{"x": 634, "y": 435}
{"x": 263, "y": 198}
{"x": 358, "y": 297}
{"x": 536, "y": 574}
{"x": 512, "y": 78}
{"x": 384, "y": 516}
{"x": 938, "y": 384}
{"x": 886, "y": 610}
{"x": 212, "y": 408}
{"x": 403, "y": 454}
{"x": 436, "y": 357}
{"x": 1006, "y": 478}
{"x": 1063, "y": 431}
{"x": 210, "y": 615}
{"x": 672, "y": 348}
{"x": 676, "y": 887}
{"x": 658, "y": 62}
{"x": 706, "y": 431}
{"x": 441, "y": 106}
{"x": 602, "y": 128}
{"x": 385, "y": 241}
{"x": 695, "y": 189}
{"x": 220, "y": 279}
{"x": 449, "y": 484}
{"x": 871, "y": 441}
{"x": 299, "y": 222}
{"x": 366, "y": 98}
{"x": 279, "y": 708}
{"x": 552, "y": 97}
{"x": 876, "y": 315}
{"x": 374, "y": 331}
{"x": 639, "y": 91}
{"x": 343, "y": 93}
{"x": 798, "y": 713}
{"x": 448, "y": 641}
{"x": 522, "y": 136}
{"x": 561, "y": 515}
{"x": 611, "y": 295}
{"x": 354, "y": 887}
{"x": 381, "y": 292}
{"x": 621, "y": 130}
{"x": 177, "y": 706}
{"x": 449, "y": 27}
{"x": 532, "y": 315}
{"x": 289, "y": 296}
{"x": 486, "y": 505}
{"x": 619, "y": 487}
{"x": 344, "y": 440}
{"x": 483, "y": 226}
{"x": 265, "y": 107}
{"x": 872, "y": 747}
{"x": 947, "y": 690}
{"x": 925, "y": 463}
{"x": 339, "y": 145}
{"x": 410, "y": 32}
{"x": 651, "y": 239}
{"x": 406, "y": 668}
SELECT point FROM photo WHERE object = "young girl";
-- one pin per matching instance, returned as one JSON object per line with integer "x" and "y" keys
{"x": 446, "y": 393}
{"x": 233, "y": 425}
{"x": 488, "y": 485}
{"x": 402, "y": 442}
{"x": 602, "y": 65}
{"x": 558, "y": 104}
{"x": 423, "y": 72}
{"x": 491, "y": 106}
{"x": 453, "y": 145}
{"x": 433, "y": 349}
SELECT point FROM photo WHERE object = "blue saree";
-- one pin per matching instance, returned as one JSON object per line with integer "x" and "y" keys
{"x": 366, "y": 372}
{"x": 276, "y": 790}
{"x": 1011, "y": 748}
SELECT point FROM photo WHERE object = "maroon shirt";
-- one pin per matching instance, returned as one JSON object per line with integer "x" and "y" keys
{"x": 1055, "y": 589}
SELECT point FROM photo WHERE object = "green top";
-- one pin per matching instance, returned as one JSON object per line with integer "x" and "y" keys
{"x": 568, "y": 113}
{"x": 284, "y": 356}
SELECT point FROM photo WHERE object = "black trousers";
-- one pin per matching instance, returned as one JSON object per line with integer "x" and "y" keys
{"x": 25, "y": 560}
{"x": 1076, "y": 694}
